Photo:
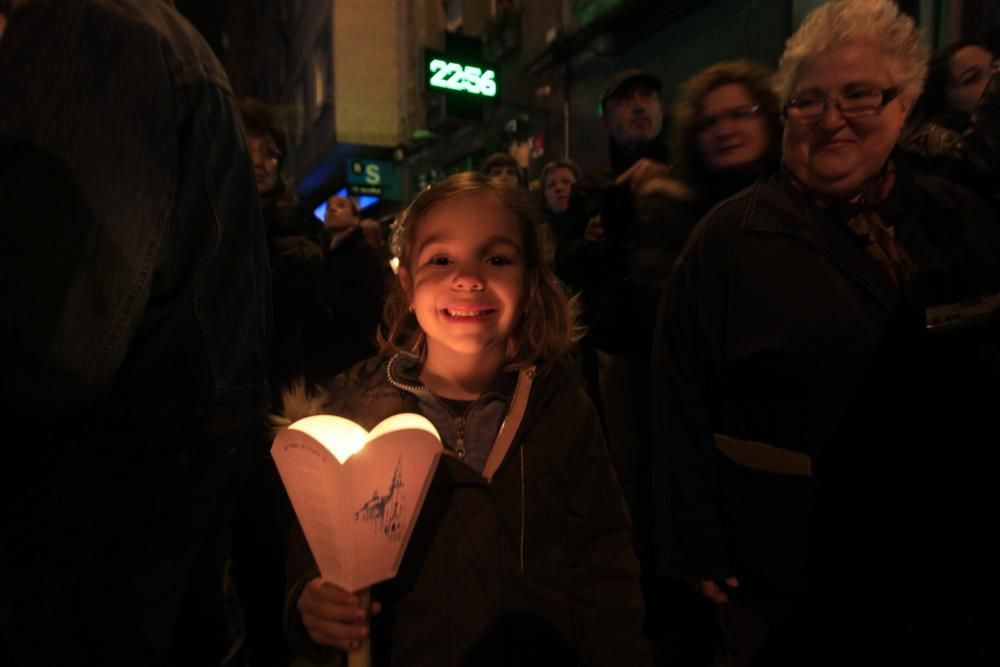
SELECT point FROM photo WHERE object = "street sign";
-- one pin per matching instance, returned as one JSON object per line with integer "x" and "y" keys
{"x": 373, "y": 177}
{"x": 356, "y": 190}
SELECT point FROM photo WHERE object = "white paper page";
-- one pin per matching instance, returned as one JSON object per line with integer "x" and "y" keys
{"x": 312, "y": 477}
{"x": 357, "y": 517}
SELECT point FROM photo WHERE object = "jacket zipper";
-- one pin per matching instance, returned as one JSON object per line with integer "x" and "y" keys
{"x": 460, "y": 444}
{"x": 457, "y": 422}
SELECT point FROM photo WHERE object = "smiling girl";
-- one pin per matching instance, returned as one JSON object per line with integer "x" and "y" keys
{"x": 524, "y": 539}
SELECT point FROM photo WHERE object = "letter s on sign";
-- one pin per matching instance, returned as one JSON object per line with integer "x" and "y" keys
{"x": 372, "y": 175}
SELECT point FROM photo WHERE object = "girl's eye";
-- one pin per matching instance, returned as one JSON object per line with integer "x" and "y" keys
{"x": 439, "y": 260}
{"x": 497, "y": 260}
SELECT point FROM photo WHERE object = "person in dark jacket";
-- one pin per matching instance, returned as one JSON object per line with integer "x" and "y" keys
{"x": 263, "y": 515}
{"x": 639, "y": 224}
{"x": 137, "y": 315}
{"x": 294, "y": 251}
{"x": 792, "y": 302}
{"x": 354, "y": 283}
{"x": 522, "y": 553}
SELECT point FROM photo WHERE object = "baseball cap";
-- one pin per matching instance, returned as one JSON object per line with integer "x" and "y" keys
{"x": 620, "y": 79}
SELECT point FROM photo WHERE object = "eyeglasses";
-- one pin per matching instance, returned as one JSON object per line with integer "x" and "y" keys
{"x": 736, "y": 115}
{"x": 857, "y": 103}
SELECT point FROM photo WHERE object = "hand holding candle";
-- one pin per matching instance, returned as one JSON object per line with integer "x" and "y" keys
{"x": 334, "y": 617}
{"x": 356, "y": 495}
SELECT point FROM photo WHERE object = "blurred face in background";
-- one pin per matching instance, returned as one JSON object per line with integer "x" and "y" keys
{"x": 558, "y": 185}
{"x": 834, "y": 154}
{"x": 633, "y": 115}
{"x": 968, "y": 73}
{"x": 265, "y": 156}
{"x": 505, "y": 176}
{"x": 339, "y": 213}
{"x": 732, "y": 131}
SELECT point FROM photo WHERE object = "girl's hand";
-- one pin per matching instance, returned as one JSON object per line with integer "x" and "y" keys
{"x": 714, "y": 592}
{"x": 332, "y": 616}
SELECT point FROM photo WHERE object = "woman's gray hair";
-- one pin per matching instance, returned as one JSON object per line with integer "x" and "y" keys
{"x": 841, "y": 22}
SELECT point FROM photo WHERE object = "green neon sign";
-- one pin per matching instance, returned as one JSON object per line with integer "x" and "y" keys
{"x": 453, "y": 76}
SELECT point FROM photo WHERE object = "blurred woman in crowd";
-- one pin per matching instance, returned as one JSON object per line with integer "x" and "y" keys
{"x": 956, "y": 79}
{"x": 792, "y": 350}
{"x": 953, "y": 129}
{"x": 726, "y": 131}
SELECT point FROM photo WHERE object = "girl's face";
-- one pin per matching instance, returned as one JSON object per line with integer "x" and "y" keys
{"x": 968, "y": 72}
{"x": 558, "y": 184}
{"x": 466, "y": 279}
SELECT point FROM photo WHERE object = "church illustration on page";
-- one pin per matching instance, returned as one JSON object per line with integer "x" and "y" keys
{"x": 385, "y": 512}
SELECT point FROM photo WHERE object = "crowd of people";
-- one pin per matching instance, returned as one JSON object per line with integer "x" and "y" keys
{"x": 730, "y": 399}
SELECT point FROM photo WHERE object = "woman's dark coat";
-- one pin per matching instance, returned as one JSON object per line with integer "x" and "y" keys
{"x": 768, "y": 332}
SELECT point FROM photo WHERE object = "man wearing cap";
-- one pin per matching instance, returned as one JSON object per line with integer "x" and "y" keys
{"x": 632, "y": 114}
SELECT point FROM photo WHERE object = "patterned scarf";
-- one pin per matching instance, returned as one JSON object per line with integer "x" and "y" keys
{"x": 862, "y": 217}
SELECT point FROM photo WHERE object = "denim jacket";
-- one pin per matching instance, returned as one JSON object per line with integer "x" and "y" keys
{"x": 138, "y": 279}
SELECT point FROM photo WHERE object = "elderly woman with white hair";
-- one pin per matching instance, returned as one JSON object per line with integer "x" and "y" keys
{"x": 781, "y": 344}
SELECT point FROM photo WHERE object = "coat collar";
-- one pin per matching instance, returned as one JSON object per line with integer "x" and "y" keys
{"x": 775, "y": 206}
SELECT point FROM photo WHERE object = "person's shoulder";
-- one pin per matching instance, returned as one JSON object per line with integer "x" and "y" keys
{"x": 770, "y": 202}
{"x": 188, "y": 55}
{"x": 728, "y": 217}
{"x": 732, "y": 225}
{"x": 946, "y": 193}
{"x": 365, "y": 378}
{"x": 559, "y": 382}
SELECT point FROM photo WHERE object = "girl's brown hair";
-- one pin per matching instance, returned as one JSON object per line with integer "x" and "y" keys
{"x": 548, "y": 327}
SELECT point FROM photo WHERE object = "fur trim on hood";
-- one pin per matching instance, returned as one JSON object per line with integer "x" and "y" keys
{"x": 298, "y": 402}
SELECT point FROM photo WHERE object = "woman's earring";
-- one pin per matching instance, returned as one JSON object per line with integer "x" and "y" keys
{"x": 411, "y": 308}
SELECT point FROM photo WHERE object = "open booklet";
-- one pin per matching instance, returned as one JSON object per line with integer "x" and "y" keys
{"x": 357, "y": 494}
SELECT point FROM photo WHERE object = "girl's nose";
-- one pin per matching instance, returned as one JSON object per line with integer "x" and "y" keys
{"x": 468, "y": 279}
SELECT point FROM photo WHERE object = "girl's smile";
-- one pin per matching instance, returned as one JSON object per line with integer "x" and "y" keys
{"x": 469, "y": 313}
